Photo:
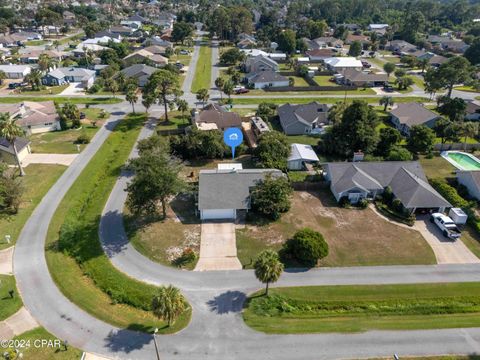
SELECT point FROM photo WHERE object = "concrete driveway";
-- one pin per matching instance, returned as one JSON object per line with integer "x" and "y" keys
{"x": 218, "y": 248}
{"x": 446, "y": 251}
{"x": 6, "y": 258}
{"x": 56, "y": 159}
{"x": 74, "y": 89}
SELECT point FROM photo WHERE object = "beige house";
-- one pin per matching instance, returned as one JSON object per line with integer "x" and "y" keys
{"x": 142, "y": 55}
{"x": 7, "y": 154}
{"x": 34, "y": 117}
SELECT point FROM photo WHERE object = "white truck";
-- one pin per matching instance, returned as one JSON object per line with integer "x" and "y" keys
{"x": 446, "y": 225}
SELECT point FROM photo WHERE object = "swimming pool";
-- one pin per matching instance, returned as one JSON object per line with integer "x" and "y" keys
{"x": 461, "y": 160}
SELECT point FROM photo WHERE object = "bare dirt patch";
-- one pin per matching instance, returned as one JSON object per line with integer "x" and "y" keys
{"x": 355, "y": 237}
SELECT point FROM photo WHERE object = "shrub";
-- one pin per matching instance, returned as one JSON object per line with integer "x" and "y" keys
{"x": 188, "y": 256}
{"x": 388, "y": 195}
{"x": 397, "y": 206}
{"x": 449, "y": 193}
{"x": 363, "y": 203}
{"x": 344, "y": 202}
{"x": 82, "y": 139}
{"x": 307, "y": 247}
{"x": 93, "y": 89}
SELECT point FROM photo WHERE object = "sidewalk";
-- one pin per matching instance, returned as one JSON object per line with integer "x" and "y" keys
{"x": 17, "y": 324}
{"x": 6, "y": 261}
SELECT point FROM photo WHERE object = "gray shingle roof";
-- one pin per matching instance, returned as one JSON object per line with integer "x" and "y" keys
{"x": 267, "y": 76}
{"x": 227, "y": 189}
{"x": 20, "y": 144}
{"x": 413, "y": 113}
{"x": 406, "y": 178}
{"x": 306, "y": 113}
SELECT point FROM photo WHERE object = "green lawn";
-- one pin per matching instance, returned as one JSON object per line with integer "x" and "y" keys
{"x": 299, "y": 81}
{"x": 303, "y": 139}
{"x": 326, "y": 99}
{"x": 358, "y": 308}
{"x": 38, "y": 180}
{"x": 36, "y": 42}
{"x": 175, "y": 121}
{"x": 51, "y": 90}
{"x": 63, "y": 142}
{"x": 75, "y": 258}
{"x": 466, "y": 88}
{"x": 54, "y": 351}
{"x": 8, "y": 306}
{"x": 418, "y": 80}
{"x": 437, "y": 167}
{"x": 324, "y": 80}
{"x": 62, "y": 99}
{"x": 203, "y": 71}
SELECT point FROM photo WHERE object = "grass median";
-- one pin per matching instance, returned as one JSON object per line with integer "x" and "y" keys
{"x": 327, "y": 100}
{"x": 316, "y": 309}
{"x": 75, "y": 257}
{"x": 203, "y": 71}
{"x": 62, "y": 99}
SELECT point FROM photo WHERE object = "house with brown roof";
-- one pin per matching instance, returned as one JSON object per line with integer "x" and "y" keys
{"x": 363, "y": 39}
{"x": 144, "y": 56}
{"x": 34, "y": 117}
{"x": 406, "y": 115}
{"x": 353, "y": 77}
{"x": 216, "y": 117}
{"x": 321, "y": 54}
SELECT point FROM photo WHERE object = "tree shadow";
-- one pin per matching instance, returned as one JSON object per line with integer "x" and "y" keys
{"x": 128, "y": 340}
{"x": 183, "y": 205}
{"x": 228, "y": 302}
{"x": 117, "y": 239}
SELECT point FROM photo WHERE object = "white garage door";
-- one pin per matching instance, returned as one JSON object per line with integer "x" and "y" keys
{"x": 213, "y": 214}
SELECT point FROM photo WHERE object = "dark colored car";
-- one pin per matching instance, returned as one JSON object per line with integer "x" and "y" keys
{"x": 82, "y": 115}
{"x": 13, "y": 85}
{"x": 388, "y": 88}
{"x": 366, "y": 64}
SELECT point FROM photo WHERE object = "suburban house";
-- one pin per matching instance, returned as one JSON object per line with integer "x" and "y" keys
{"x": 216, "y": 117}
{"x": 34, "y": 117}
{"x": 156, "y": 40}
{"x": 353, "y": 77}
{"x": 321, "y": 54}
{"x": 437, "y": 60}
{"x": 134, "y": 21}
{"x": 363, "y": 39}
{"x": 79, "y": 51}
{"x": 274, "y": 56}
{"x": 401, "y": 47}
{"x": 456, "y": 46}
{"x": 108, "y": 33}
{"x": 301, "y": 156}
{"x": 122, "y": 31}
{"x": 165, "y": 20}
{"x": 65, "y": 75}
{"x": 473, "y": 110}
{"x": 260, "y": 63}
{"x": 166, "y": 34}
{"x": 340, "y": 64}
{"x": 68, "y": 18}
{"x": 406, "y": 115}
{"x": 142, "y": 55}
{"x": 266, "y": 79}
{"x": 302, "y": 119}
{"x": 156, "y": 49}
{"x": 7, "y": 153}
{"x": 15, "y": 71}
{"x": 471, "y": 180}
{"x": 101, "y": 40}
{"x": 328, "y": 41}
{"x": 246, "y": 41}
{"x": 350, "y": 27}
{"x": 32, "y": 56}
{"x": 223, "y": 193}
{"x": 140, "y": 72}
{"x": 366, "y": 180}
{"x": 379, "y": 29}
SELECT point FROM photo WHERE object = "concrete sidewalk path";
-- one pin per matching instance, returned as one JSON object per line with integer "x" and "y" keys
{"x": 54, "y": 159}
{"x": 218, "y": 247}
{"x": 6, "y": 261}
{"x": 17, "y": 324}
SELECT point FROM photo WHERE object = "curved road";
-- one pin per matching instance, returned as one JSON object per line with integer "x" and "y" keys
{"x": 217, "y": 330}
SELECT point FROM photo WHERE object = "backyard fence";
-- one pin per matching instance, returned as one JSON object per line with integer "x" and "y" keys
{"x": 456, "y": 146}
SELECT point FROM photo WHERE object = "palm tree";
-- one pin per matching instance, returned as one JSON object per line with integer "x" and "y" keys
{"x": 147, "y": 101}
{"x": 132, "y": 96}
{"x": 469, "y": 129}
{"x": 268, "y": 268}
{"x": 386, "y": 101}
{"x": 169, "y": 304}
{"x": 228, "y": 89}
{"x": 45, "y": 62}
{"x": 219, "y": 82}
{"x": 182, "y": 106}
{"x": 202, "y": 95}
{"x": 10, "y": 131}
{"x": 34, "y": 79}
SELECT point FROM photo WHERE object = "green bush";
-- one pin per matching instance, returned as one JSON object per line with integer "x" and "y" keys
{"x": 363, "y": 204}
{"x": 82, "y": 139}
{"x": 397, "y": 205}
{"x": 449, "y": 193}
{"x": 344, "y": 202}
{"x": 307, "y": 247}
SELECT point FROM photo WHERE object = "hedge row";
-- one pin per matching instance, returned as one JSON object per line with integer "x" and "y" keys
{"x": 449, "y": 193}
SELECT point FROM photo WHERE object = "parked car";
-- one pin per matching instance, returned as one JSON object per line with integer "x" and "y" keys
{"x": 82, "y": 115}
{"x": 14, "y": 85}
{"x": 242, "y": 91}
{"x": 238, "y": 87}
{"x": 366, "y": 64}
{"x": 388, "y": 88}
{"x": 446, "y": 225}
{"x": 179, "y": 65}
{"x": 183, "y": 52}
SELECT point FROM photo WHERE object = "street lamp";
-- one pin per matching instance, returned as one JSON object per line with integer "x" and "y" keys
{"x": 155, "y": 342}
